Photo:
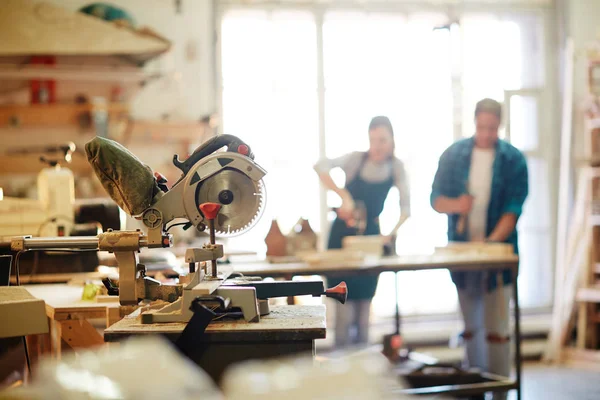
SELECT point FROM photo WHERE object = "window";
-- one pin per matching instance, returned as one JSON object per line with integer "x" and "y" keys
{"x": 270, "y": 100}
{"x": 426, "y": 80}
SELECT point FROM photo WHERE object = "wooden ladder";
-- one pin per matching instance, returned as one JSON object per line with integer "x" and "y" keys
{"x": 588, "y": 294}
{"x": 577, "y": 276}
{"x": 583, "y": 262}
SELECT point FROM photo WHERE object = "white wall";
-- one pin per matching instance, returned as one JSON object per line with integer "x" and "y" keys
{"x": 188, "y": 89}
{"x": 582, "y": 24}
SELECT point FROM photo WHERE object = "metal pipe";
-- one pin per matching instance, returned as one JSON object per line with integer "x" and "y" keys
{"x": 213, "y": 263}
{"x": 67, "y": 242}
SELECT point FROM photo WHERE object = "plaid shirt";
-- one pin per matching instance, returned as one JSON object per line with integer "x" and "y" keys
{"x": 508, "y": 193}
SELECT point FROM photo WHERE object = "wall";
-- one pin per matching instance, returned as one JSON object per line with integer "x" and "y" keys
{"x": 185, "y": 91}
{"x": 581, "y": 23}
{"x": 188, "y": 89}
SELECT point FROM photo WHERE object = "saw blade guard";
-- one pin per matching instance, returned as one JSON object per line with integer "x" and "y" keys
{"x": 232, "y": 180}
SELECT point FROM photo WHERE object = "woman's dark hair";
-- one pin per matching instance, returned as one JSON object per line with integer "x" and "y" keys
{"x": 489, "y": 105}
{"x": 381, "y": 120}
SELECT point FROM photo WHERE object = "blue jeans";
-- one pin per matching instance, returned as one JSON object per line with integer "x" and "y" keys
{"x": 352, "y": 323}
{"x": 487, "y": 326}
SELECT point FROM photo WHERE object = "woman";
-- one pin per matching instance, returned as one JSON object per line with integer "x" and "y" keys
{"x": 482, "y": 182}
{"x": 369, "y": 177}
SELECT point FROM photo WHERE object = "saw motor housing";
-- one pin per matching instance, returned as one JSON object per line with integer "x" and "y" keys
{"x": 183, "y": 200}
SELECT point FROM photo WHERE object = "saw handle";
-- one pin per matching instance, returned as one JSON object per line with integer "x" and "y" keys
{"x": 339, "y": 292}
{"x": 232, "y": 143}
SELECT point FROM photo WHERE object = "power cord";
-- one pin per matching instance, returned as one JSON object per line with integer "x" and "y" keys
{"x": 17, "y": 275}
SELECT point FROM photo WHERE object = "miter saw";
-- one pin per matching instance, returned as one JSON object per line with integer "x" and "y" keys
{"x": 219, "y": 190}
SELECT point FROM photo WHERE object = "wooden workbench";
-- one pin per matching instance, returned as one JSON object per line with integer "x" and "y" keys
{"x": 447, "y": 260}
{"x": 453, "y": 262}
{"x": 285, "y": 331}
{"x": 68, "y": 315}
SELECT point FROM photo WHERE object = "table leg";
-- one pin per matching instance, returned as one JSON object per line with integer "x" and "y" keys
{"x": 80, "y": 334}
{"x": 517, "y": 334}
{"x": 396, "y": 293}
{"x": 291, "y": 300}
{"x": 55, "y": 339}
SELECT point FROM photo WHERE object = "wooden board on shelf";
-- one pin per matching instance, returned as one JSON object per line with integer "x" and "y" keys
{"x": 86, "y": 73}
{"x": 85, "y": 34}
{"x": 589, "y": 294}
{"x": 24, "y": 116}
{"x": 22, "y": 313}
{"x": 30, "y": 164}
{"x": 167, "y": 131}
{"x": 476, "y": 248}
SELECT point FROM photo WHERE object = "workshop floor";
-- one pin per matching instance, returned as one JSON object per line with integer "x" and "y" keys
{"x": 543, "y": 382}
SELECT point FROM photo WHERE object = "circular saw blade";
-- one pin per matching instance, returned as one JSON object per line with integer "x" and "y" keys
{"x": 246, "y": 198}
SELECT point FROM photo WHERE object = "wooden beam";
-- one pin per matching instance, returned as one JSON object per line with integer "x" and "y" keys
{"x": 80, "y": 334}
{"x": 85, "y": 73}
{"x": 589, "y": 294}
{"x": 57, "y": 114}
{"x": 564, "y": 187}
{"x": 31, "y": 164}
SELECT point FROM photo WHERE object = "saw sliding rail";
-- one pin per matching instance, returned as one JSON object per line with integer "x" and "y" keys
{"x": 133, "y": 282}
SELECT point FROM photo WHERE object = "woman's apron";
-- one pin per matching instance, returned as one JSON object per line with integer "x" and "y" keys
{"x": 373, "y": 196}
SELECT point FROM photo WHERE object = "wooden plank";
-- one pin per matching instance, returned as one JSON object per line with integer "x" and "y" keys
{"x": 80, "y": 334}
{"x": 189, "y": 131}
{"x": 284, "y": 323}
{"x": 22, "y": 314}
{"x": 82, "y": 32}
{"x": 564, "y": 187}
{"x": 582, "y": 325}
{"x": 566, "y": 279}
{"x": 30, "y": 164}
{"x": 564, "y": 184}
{"x": 58, "y": 278}
{"x": 453, "y": 262}
{"x": 22, "y": 116}
{"x": 64, "y": 302}
{"x": 589, "y": 294}
{"x": 84, "y": 73}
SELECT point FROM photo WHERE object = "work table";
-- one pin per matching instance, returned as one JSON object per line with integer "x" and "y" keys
{"x": 286, "y": 331}
{"x": 284, "y": 322}
{"x": 462, "y": 262}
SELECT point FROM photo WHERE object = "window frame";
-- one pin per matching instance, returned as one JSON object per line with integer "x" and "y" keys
{"x": 547, "y": 95}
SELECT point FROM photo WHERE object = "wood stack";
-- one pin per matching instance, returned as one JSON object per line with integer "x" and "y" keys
{"x": 577, "y": 296}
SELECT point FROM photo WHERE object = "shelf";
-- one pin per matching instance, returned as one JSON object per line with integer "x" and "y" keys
{"x": 189, "y": 131}
{"x": 31, "y": 164}
{"x": 589, "y": 294}
{"x": 85, "y": 73}
{"x": 46, "y": 115}
{"x": 594, "y": 220}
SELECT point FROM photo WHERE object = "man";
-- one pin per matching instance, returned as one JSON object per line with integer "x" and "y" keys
{"x": 482, "y": 183}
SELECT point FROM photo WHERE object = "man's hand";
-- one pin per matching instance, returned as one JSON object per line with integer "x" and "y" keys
{"x": 464, "y": 204}
{"x": 388, "y": 239}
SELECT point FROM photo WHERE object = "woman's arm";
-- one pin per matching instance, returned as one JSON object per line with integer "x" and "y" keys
{"x": 323, "y": 168}
{"x": 402, "y": 183}
{"x": 328, "y": 182}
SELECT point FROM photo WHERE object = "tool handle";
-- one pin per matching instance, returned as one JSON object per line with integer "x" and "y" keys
{"x": 461, "y": 224}
{"x": 210, "y": 210}
{"x": 339, "y": 292}
{"x": 232, "y": 143}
